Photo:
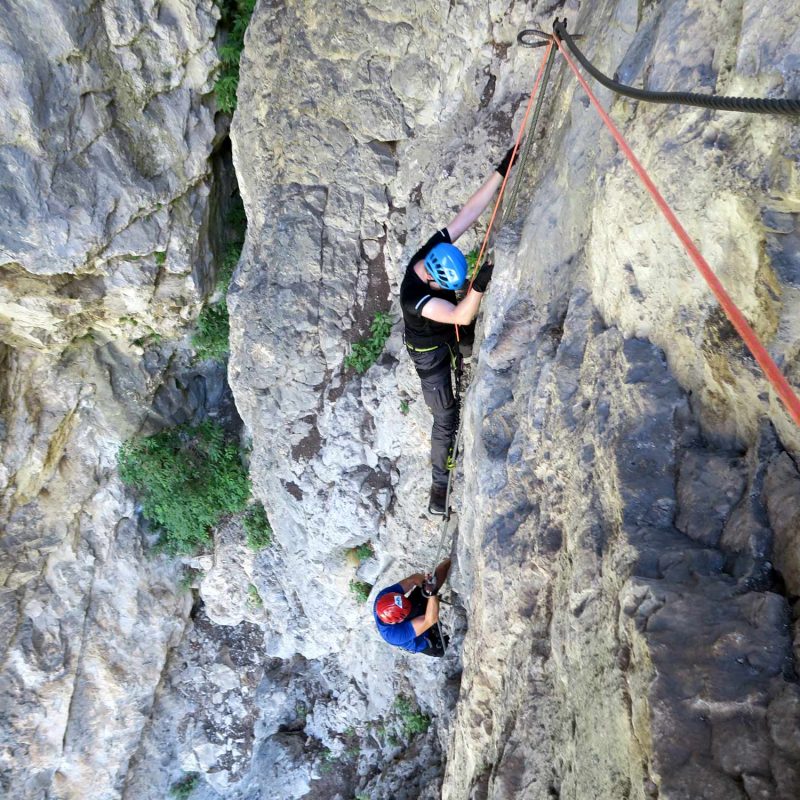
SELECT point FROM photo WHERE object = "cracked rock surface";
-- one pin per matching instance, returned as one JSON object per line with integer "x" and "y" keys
{"x": 105, "y": 144}
{"x": 626, "y": 570}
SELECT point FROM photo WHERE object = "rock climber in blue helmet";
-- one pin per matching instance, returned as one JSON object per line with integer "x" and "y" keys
{"x": 431, "y": 311}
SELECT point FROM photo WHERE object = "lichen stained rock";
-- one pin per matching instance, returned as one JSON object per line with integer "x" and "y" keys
{"x": 105, "y": 140}
{"x": 624, "y": 544}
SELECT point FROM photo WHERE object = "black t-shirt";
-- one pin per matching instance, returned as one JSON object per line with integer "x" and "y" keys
{"x": 415, "y": 294}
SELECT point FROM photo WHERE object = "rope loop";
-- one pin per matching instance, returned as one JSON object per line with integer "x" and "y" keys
{"x": 524, "y": 38}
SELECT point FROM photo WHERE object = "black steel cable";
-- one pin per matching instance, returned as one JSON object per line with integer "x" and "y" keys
{"x": 753, "y": 105}
{"x": 527, "y": 146}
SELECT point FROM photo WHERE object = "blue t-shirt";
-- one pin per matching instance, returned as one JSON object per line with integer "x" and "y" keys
{"x": 402, "y": 634}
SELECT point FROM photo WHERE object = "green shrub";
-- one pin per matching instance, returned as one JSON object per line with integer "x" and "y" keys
{"x": 259, "y": 532}
{"x": 404, "y": 407}
{"x": 363, "y": 552}
{"x": 329, "y": 761}
{"x": 183, "y": 789}
{"x": 186, "y": 478}
{"x": 364, "y": 354}
{"x": 361, "y": 590}
{"x": 226, "y": 89}
{"x": 161, "y": 258}
{"x": 213, "y": 331}
{"x": 235, "y": 16}
{"x": 413, "y": 722}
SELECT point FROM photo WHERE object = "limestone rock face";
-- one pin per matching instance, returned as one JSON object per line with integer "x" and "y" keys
{"x": 625, "y": 552}
{"x": 624, "y": 538}
{"x": 105, "y": 138}
{"x": 105, "y": 141}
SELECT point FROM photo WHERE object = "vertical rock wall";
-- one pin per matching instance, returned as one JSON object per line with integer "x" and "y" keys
{"x": 623, "y": 545}
{"x": 623, "y": 639}
{"x": 105, "y": 138}
{"x": 627, "y": 535}
{"x": 357, "y": 134}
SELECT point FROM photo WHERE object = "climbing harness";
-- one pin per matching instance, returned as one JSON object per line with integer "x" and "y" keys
{"x": 560, "y": 37}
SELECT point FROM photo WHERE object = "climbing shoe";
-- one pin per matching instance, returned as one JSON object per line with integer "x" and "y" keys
{"x": 438, "y": 501}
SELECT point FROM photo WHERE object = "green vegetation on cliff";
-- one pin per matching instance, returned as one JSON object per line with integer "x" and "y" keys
{"x": 235, "y": 17}
{"x": 186, "y": 478}
{"x": 184, "y": 788}
{"x": 259, "y": 531}
{"x": 364, "y": 353}
{"x": 213, "y": 332}
{"x": 211, "y": 339}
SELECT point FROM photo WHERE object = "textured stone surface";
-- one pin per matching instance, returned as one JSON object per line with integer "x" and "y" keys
{"x": 105, "y": 139}
{"x": 616, "y": 544}
{"x": 628, "y": 533}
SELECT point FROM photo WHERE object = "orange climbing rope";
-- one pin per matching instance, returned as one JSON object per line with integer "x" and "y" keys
{"x": 534, "y": 92}
{"x": 737, "y": 319}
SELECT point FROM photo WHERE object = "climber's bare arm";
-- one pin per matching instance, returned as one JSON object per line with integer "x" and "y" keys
{"x": 421, "y": 624}
{"x": 462, "y": 314}
{"x": 407, "y": 584}
{"x": 474, "y": 207}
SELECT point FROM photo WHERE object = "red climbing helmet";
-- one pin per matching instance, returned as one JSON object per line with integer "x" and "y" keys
{"x": 393, "y": 607}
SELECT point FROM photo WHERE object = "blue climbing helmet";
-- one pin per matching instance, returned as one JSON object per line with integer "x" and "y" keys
{"x": 447, "y": 266}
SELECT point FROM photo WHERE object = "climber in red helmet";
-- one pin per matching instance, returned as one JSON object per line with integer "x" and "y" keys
{"x": 407, "y": 618}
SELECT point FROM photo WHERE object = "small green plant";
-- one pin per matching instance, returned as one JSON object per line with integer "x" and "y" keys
{"x": 227, "y": 266}
{"x": 360, "y": 590}
{"x": 404, "y": 407}
{"x": 413, "y": 722}
{"x": 364, "y": 354}
{"x": 329, "y": 760}
{"x": 186, "y": 479}
{"x": 226, "y": 89}
{"x": 253, "y": 597}
{"x": 363, "y": 552}
{"x": 472, "y": 260}
{"x": 213, "y": 330}
{"x": 362, "y": 796}
{"x": 184, "y": 787}
{"x": 259, "y": 532}
{"x": 301, "y": 710}
{"x": 161, "y": 258}
{"x": 352, "y": 753}
{"x": 235, "y": 16}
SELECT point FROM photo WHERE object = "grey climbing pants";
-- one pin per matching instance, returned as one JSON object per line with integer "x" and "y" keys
{"x": 434, "y": 368}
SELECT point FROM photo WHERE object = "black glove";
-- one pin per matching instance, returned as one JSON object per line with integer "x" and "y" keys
{"x": 483, "y": 277}
{"x": 430, "y": 586}
{"x": 503, "y": 166}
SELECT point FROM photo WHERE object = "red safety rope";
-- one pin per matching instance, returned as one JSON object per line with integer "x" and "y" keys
{"x": 774, "y": 375}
